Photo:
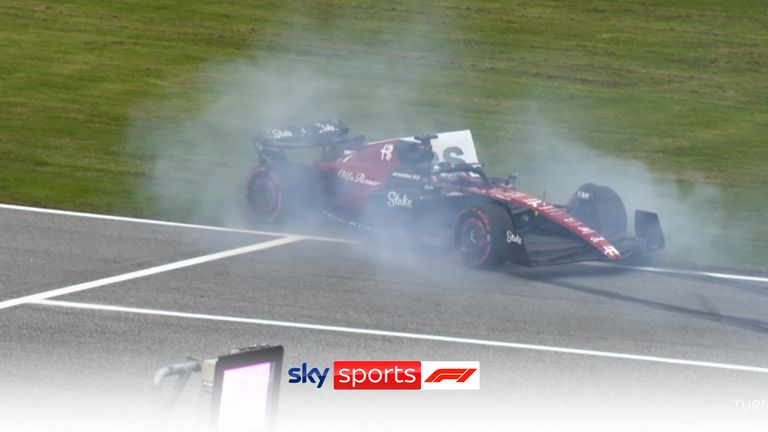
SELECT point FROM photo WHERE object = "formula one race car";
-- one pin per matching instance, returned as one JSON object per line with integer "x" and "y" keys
{"x": 432, "y": 185}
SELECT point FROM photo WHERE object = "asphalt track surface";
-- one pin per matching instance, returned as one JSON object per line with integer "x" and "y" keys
{"x": 91, "y": 307}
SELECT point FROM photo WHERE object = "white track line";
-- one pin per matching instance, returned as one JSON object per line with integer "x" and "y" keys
{"x": 372, "y": 332}
{"x": 165, "y": 223}
{"x": 148, "y": 271}
{"x": 714, "y": 275}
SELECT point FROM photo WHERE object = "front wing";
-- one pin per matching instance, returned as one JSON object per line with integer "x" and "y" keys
{"x": 534, "y": 248}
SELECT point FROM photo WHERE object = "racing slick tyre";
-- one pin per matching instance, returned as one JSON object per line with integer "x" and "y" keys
{"x": 479, "y": 235}
{"x": 278, "y": 193}
{"x": 601, "y": 208}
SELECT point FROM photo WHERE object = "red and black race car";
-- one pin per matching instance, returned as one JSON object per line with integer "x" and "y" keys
{"x": 433, "y": 186}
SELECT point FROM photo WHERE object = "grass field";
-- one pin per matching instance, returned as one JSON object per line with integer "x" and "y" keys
{"x": 116, "y": 106}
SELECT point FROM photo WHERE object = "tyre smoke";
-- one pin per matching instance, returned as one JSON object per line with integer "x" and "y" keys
{"x": 385, "y": 87}
{"x": 553, "y": 163}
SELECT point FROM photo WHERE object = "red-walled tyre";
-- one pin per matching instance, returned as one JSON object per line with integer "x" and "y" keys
{"x": 282, "y": 193}
{"x": 479, "y": 235}
{"x": 264, "y": 196}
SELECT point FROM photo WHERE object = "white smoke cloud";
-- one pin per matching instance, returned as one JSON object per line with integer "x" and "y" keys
{"x": 552, "y": 161}
{"x": 383, "y": 88}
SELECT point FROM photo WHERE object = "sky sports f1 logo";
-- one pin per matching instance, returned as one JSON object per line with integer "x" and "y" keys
{"x": 393, "y": 375}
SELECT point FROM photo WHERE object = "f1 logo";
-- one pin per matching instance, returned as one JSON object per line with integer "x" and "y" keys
{"x": 406, "y": 375}
{"x": 458, "y": 375}
{"x": 450, "y": 375}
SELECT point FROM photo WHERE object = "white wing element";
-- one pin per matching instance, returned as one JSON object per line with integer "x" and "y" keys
{"x": 453, "y": 147}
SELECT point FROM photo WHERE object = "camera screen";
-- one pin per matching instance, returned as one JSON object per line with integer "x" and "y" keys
{"x": 244, "y": 398}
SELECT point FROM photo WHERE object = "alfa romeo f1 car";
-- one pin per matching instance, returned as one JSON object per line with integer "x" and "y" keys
{"x": 433, "y": 185}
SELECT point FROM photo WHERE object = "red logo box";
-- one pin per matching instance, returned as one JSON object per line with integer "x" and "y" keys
{"x": 377, "y": 375}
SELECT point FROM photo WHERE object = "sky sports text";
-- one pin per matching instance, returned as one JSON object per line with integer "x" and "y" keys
{"x": 392, "y": 375}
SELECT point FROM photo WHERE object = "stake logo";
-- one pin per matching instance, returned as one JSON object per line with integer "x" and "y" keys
{"x": 395, "y": 200}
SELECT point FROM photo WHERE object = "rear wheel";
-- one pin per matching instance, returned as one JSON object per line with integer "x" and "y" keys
{"x": 601, "y": 208}
{"x": 264, "y": 196}
{"x": 480, "y": 234}
{"x": 284, "y": 192}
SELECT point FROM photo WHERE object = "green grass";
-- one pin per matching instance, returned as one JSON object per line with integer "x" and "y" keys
{"x": 92, "y": 93}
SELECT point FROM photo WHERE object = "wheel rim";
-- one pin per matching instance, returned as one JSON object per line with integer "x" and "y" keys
{"x": 474, "y": 242}
{"x": 264, "y": 197}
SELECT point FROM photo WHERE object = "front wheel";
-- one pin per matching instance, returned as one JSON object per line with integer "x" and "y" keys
{"x": 601, "y": 208}
{"x": 480, "y": 235}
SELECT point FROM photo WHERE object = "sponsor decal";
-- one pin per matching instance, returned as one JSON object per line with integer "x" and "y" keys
{"x": 386, "y": 151}
{"x": 596, "y": 239}
{"x": 395, "y": 200}
{"x": 582, "y": 195}
{"x": 325, "y": 127}
{"x": 359, "y": 178}
{"x": 281, "y": 133}
{"x": 585, "y": 230}
{"x": 610, "y": 251}
{"x": 514, "y": 238}
{"x": 450, "y": 155}
{"x": 553, "y": 211}
{"x": 534, "y": 202}
{"x": 408, "y": 176}
{"x": 507, "y": 195}
{"x": 452, "y": 147}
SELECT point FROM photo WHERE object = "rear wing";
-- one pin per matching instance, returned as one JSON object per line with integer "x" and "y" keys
{"x": 322, "y": 133}
{"x": 329, "y": 136}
